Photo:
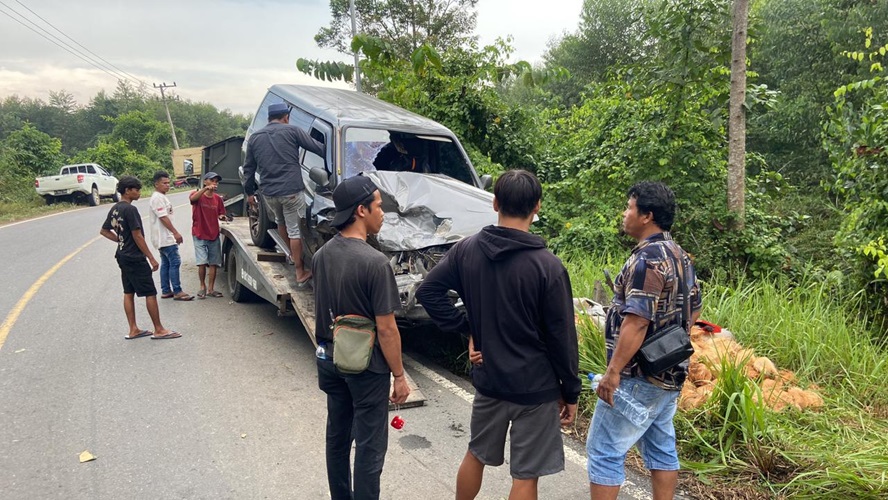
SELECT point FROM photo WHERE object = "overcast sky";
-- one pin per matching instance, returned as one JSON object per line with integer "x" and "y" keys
{"x": 217, "y": 51}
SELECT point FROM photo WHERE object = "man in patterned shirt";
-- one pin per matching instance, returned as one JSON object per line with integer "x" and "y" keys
{"x": 647, "y": 296}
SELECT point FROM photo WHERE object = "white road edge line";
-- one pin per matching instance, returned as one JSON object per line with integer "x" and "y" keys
{"x": 629, "y": 488}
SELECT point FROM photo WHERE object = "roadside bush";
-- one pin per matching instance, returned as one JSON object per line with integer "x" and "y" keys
{"x": 856, "y": 138}
{"x": 33, "y": 153}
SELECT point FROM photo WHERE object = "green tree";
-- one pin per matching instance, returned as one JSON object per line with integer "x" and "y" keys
{"x": 856, "y": 139}
{"x": 612, "y": 34}
{"x": 456, "y": 88}
{"x": 405, "y": 24}
{"x": 120, "y": 159}
{"x": 142, "y": 133}
{"x": 798, "y": 52}
{"x": 33, "y": 152}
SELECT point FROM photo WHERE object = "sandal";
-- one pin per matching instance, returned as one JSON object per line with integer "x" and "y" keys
{"x": 183, "y": 296}
{"x": 215, "y": 293}
{"x": 305, "y": 285}
{"x": 167, "y": 296}
{"x": 201, "y": 294}
{"x": 171, "y": 335}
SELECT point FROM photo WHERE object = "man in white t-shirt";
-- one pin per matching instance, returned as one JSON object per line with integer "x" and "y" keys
{"x": 166, "y": 239}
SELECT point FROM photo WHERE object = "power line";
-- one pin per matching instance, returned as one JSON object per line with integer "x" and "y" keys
{"x": 79, "y": 44}
{"x": 61, "y": 45}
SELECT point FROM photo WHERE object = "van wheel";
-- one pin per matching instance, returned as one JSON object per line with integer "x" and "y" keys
{"x": 236, "y": 290}
{"x": 115, "y": 196}
{"x": 93, "y": 198}
{"x": 260, "y": 224}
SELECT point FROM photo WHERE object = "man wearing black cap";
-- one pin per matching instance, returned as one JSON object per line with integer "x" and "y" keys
{"x": 351, "y": 277}
{"x": 274, "y": 152}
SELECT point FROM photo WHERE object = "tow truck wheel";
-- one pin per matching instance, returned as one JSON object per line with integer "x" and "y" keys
{"x": 93, "y": 198}
{"x": 236, "y": 290}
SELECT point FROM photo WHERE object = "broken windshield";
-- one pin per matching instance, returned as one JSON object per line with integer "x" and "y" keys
{"x": 369, "y": 150}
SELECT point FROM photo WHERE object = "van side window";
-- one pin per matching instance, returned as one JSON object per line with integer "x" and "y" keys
{"x": 261, "y": 118}
{"x": 309, "y": 159}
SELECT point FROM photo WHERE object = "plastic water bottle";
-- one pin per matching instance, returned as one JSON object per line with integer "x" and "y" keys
{"x": 321, "y": 351}
{"x": 624, "y": 403}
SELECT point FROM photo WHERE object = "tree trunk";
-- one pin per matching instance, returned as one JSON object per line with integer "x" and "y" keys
{"x": 737, "y": 116}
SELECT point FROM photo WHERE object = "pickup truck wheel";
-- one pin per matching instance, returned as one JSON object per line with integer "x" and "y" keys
{"x": 236, "y": 290}
{"x": 260, "y": 224}
{"x": 93, "y": 198}
{"x": 49, "y": 199}
{"x": 115, "y": 197}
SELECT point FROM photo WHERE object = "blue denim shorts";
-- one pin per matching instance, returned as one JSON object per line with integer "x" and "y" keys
{"x": 207, "y": 252}
{"x": 611, "y": 434}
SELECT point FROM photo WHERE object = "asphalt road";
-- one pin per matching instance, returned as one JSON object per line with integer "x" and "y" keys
{"x": 231, "y": 410}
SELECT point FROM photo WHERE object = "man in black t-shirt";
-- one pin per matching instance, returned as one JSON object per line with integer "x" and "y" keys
{"x": 351, "y": 277}
{"x": 123, "y": 225}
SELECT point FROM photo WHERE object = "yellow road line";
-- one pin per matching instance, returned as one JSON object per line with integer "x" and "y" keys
{"x": 13, "y": 315}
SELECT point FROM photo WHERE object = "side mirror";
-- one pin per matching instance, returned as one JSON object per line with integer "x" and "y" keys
{"x": 486, "y": 182}
{"x": 319, "y": 176}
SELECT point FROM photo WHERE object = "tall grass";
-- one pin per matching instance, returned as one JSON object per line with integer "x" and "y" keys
{"x": 807, "y": 328}
{"x": 811, "y": 327}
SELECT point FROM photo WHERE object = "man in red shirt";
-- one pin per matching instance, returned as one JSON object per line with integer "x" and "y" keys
{"x": 207, "y": 209}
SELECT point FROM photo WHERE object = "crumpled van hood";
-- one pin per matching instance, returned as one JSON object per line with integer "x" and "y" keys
{"x": 424, "y": 210}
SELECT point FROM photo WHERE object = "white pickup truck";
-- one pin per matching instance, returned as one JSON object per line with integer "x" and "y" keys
{"x": 86, "y": 181}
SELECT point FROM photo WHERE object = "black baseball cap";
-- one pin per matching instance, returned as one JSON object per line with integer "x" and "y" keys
{"x": 348, "y": 194}
{"x": 211, "y": 175}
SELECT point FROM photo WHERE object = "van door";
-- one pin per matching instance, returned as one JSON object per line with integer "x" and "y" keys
{"x": 321, "y": 132}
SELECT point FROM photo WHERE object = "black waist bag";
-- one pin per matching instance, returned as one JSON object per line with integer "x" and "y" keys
{"x": 666, "y": 348}
{"x": 670, "y": 345}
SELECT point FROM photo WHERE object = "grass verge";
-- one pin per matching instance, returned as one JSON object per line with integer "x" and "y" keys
{"x": 810, "y": 327}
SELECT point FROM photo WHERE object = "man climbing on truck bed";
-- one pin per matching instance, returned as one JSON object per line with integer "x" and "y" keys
{"x": 274, "y": 152}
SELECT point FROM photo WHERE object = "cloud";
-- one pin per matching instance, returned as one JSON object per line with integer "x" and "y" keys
{"x": 223, "y": 52}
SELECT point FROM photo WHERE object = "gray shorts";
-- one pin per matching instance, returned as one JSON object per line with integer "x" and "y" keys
{"x": 288, "y": 210}
{"x": 536, "y": 447}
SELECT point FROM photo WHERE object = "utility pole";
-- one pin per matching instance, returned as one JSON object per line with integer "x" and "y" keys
{"x": 351, "y": 7}
{"x": 167, "y": 108}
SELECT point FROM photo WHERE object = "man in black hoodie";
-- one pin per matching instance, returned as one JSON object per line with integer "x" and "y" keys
{"x": 519, "y": 315}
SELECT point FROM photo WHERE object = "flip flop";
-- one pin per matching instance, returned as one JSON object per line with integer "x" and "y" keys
{"x": 184, "y": 297}
{"x": 143, "y": 333}
{"x": 305, "y": 285}
{"x": 201, "y": 294}
{"x": 215, "y": 293}
{"x": 171, "y": 335}
{"x": 167, "y": 296}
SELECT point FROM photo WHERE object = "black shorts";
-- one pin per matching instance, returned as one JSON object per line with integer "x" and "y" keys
{"x": 136, "y": 277}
